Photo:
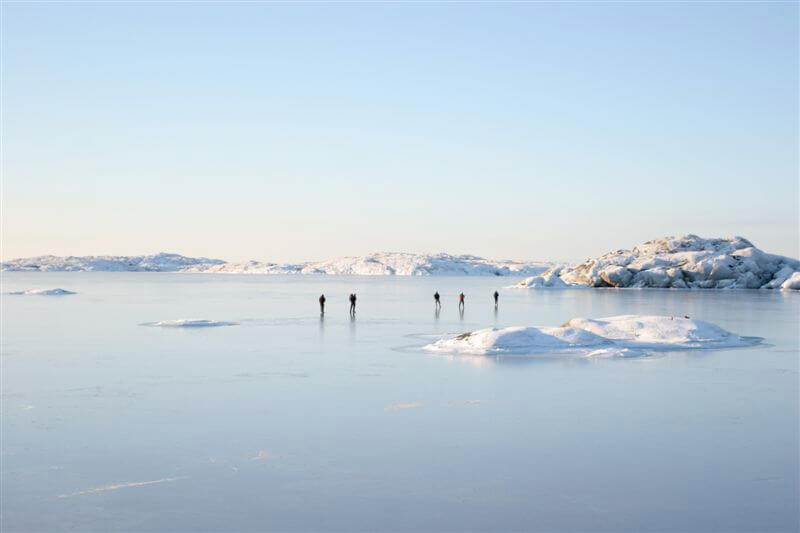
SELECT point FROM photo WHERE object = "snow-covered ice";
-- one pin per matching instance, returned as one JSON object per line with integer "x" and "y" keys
{"x": 678, "y": 263}
{"x": 43, "y": 292}
{"x": 619, "y": 336}
{"x": 376, "y": 264}
{"x": 189, "y": 323}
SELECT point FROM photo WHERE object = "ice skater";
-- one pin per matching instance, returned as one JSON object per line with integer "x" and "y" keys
{"x": 436, "y": 299}
{"x": 461, "y": 302}
{"x": 496, "y": 296}
{"x": 322, "y": 304}
{"x": 353, "y": 304}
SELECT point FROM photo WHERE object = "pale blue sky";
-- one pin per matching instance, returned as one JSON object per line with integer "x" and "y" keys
{"x": 305, "y": 131}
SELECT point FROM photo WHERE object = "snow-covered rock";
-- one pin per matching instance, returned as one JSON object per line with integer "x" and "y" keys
{"x": 793, "y": 283}
{"x": 43, "y": 292}
{"x": 616, "y": 276}
{"x": 679, "y": 263}
{"x": 378, "y": 264}
{"x": 625, "y": 336}
{"x": 547, "y": 279}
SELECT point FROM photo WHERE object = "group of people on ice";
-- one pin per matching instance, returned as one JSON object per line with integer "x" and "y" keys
{"x": 436, "y": 299}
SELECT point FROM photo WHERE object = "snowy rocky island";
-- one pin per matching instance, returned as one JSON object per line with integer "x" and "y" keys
{"x": 377, "y": 264}
{"x": 616, "y": 336}
{"x": 108, "y": 263}
{"x": 688, "y": 262}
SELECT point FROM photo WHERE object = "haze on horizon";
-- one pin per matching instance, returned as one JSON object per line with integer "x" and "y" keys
{"x": 293, "y": 132}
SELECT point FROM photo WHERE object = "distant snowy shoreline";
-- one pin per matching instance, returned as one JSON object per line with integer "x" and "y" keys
{"x": 688, "y": 262}
{"x": 377, "y": 264}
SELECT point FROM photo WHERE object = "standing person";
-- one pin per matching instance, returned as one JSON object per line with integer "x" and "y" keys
{"x": 322, "y": 304}
{"x": 461, "y": 302}
{"x": 352, "y": 304}
{"x": 436, "y": 299}
{"x": 496, "y": 296}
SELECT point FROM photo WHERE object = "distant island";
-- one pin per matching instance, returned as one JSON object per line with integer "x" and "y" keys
{"x": 377, "y": 264}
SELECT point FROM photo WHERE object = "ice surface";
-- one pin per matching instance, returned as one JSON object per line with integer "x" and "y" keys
{"x": 377, "y": 264}
{"x": 621, "y": 336}
{"x": 678, "y": 263}
{"x": 189, "y": 323}
{"x": 498, "y": 444}
{"x": 44, "y": 292}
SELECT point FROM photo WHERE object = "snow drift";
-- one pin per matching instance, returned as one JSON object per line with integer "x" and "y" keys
{"x": 678, "y": 263}
{"x": 44, "y": 292}
{"x": 377, "y": 264}
{"x": 620, "y": 336}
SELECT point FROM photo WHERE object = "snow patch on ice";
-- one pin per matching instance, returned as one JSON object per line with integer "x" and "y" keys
{"x": 189, "y": 323}
{"x": 124, "y": 485}
{"x": 678, "y": 263}
{"x": 617, "y": 336}
{"x": 262, "y": 455}
{"x": 43, "y": 292}
{"x": 401, "y": 406}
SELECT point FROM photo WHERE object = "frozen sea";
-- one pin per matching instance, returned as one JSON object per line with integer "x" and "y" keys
{"x": 289, "y": 422}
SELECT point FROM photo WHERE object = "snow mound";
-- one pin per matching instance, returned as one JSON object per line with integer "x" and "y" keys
{"x": 44, "y": 292}
{"x": 616, "y": 336}
{"x": 189, "y": 323}
{"x": 377, "y": 264}
{"x": 678, "y": 263}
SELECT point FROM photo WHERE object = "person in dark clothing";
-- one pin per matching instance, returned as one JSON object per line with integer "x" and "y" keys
{"x": 322, "y": 304}
{"x": 461, "y": 301}
{"x": 352, "y": 304}
{"x": 436, "y": 299}
{"x": 496, "y": 296}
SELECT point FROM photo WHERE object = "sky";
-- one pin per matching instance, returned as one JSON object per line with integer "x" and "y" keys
{"x": 303, "y": 131}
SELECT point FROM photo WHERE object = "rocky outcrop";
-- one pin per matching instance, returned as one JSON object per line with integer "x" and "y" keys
{"x": 688, "y": 262}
